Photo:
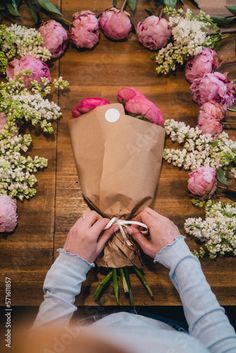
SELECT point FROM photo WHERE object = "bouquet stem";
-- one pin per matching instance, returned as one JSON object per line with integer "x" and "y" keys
{"x": 122, "y": 274}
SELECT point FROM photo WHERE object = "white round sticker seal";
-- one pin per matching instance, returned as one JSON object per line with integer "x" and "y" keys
{"x": 112, "y": 115}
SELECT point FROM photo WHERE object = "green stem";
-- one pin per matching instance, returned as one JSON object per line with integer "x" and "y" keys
{"x": 123, "y": 5}
{"x": 143, "y": 281}
{"x": 102, "y": 285}
{"x": 231, "y": 109}
{"x": 131, "y": 297}
{"x": 115, "y": 284}
{"x": 123, "y": 280}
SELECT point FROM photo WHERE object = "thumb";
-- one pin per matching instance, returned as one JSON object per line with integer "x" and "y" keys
{"x": 140, "y": 239}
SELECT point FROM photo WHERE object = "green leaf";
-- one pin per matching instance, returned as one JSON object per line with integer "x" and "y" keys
{"x": 132, "y": 4}
{"x": 170, "y": 3}
{"x": 48, "y": 6}
{"x": 221, "y": 176}
{"x": 223, "y": 21}
{"x": 232, "y": 9}
{"x": 12, "y": 9}
{"x": 114, "y": 3}
{"x": 196, "y": 3}
{"x": 34, "y": 11}
{"x": 159, "y": 2}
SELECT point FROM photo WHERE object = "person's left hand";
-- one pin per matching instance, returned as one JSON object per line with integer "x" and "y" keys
{"x": 87, "y": 237}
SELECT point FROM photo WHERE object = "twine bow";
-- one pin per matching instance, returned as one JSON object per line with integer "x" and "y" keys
{"x": 122, "y": 224}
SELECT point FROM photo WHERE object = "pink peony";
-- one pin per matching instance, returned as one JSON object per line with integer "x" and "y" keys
{"x": 153, "y": 32}
{"x": 140, "y": 105}
{"x": 211, "y": 110}
{"x": 87, "y": 104}
{"x": 202, "y": 181}
{"x": 3, "y": 120}
{"x": 8, "y": 214}
{"x": 115, "y": 23}
{"x": 55, "y": 37}
{"x": 37, "y": 68}
{"x": 127, "y": 93}
{"x": 210, "y": 126}
{"x": 84, "y": 31}
{"x": 213, "y": 87}
{"x": 203, "y": 63}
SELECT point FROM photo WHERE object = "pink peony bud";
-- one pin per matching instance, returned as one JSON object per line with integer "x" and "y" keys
{"x": 84, "y": 31}
{"x": 55, "y": 37}
{"x": 153, "y": 32}
{"x": 202, "y": 181}
{"x": 115, "y": 23}
{"x": 127, "y": 93}
{"x": 140, "y": 105}
{"x": 210, "y": 126}
{"x": 3, "y": 120}
{"x": 213, "y": 87}
{"x": 8, "y": 214}
{"x": 87, "y": 104}
{"x": 37, "y": 68}
{"x": 203, "y": 63}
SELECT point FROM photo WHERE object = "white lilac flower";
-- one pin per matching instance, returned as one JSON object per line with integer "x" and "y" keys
{"x": 17, "y": 170}
{"x": 198, "y": 149}
{"x": 28, "y": 41}
{"x": 217, "y": 231}
{"x": 189, "y": 36}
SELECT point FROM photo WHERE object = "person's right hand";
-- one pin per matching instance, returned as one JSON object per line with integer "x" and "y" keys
{"x": 162, "y": 232}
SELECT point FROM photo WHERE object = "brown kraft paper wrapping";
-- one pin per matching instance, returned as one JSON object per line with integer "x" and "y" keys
{"x": 118, "y": 158}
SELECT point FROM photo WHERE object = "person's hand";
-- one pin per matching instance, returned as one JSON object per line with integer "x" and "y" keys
{"x": 162, "y": 232}
{"x": 87, "y": 237}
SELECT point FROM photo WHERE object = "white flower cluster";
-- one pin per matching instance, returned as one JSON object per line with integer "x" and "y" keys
{"x": 17, "y": 177}
{"x": 190, "y": 35}
{"x": 217, "y": 231}
{"x": 35, "y": 109}
{"x": 28, "y": 41}
{"x": 29, "y": 104}
{"x": 199, "y": 149}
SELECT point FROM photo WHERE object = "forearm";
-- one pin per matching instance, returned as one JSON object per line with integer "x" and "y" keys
{"x": 206, "y": 319}
{"x": 62, "y": 284}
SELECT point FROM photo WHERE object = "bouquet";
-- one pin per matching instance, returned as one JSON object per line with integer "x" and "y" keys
{"x": 118, "y": 159}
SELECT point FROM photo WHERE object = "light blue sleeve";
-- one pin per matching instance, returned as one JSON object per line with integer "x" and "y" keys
{"x": 206, "y": 318}
{"x": 62, "y": 284}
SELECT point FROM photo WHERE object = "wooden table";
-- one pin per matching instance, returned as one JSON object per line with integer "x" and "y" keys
{"x": 44, "y": 221}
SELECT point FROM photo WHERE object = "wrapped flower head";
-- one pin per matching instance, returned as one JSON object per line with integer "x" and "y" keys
{"x": 115, "y": 23}
{"x": 55, "y": 37}
{"x": 140, "y": 105}
{"x": 203, "y": 63}
{"x": 84, "y": 31}
{"x": 153, "y": 32}
{"x": 37, "y": 69}
{"x": 202, "y": 181}
{"x": 87, "y": 104}
{"x": 8, "y": 214}
{"x": 127, "y": 93}
{"x": 214, "y": 87}
{"x": 3, "y": 120}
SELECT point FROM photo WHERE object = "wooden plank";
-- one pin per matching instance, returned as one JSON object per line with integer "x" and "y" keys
{"x": 101, "y": 72}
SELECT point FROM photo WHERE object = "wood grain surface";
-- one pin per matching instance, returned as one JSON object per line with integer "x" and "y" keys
{"x": 44, "y": 222}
